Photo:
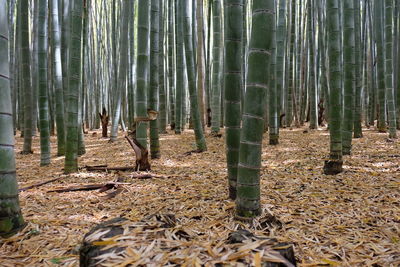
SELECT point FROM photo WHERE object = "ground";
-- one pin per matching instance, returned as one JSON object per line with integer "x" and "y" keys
{"x": 351, "y": 219}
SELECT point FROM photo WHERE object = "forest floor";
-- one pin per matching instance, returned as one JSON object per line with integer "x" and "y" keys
{"x": 352, "y": 219}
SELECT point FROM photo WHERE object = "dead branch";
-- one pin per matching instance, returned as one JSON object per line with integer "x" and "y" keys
{"x": 146, "y": 176}
{"x": 89, "y": 187}
{"x": 192, "y": 152}
{"x": 94, "y": 166}
{"x": 39, "y": 184}
{"x": 105, "y": 168}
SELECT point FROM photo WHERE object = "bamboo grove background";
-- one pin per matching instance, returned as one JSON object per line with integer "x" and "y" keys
{"x": 246, "y": 66}
{"x": 110, "y": 56}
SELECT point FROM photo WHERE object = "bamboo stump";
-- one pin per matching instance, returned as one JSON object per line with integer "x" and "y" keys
{"x": 142, "y": 155}
{"x": 104, "y": 122}
{"x": 333, "y": 167}
{"x": 90, "y": 250}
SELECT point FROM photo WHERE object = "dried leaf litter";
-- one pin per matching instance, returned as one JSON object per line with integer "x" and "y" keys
{"x": 352, "y": 219}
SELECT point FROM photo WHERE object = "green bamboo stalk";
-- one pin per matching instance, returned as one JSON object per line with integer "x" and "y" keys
{"x": 191, "y": 72}
{"x": 65, "y": 35}
{"x": 13, "y": 59}
{"x": 362, "y": 98}
{"x": 19, "y": 70}
{"x": 358, "y": 69}
{"x": 162, "y": 90}
{"x": 114, "y": 57}
{"x": 18, "y": 80}
{"x": 42, "y": 82}
{"x": 154, "y": 76}
{"x": 245, "y": 44}
{"x": 334, "y": 164}
{"x": 312, "y": 86}
{"x": 371, "y": 66}
{"x": 216, "y": 68}
{"x": 273, "y": 107}
{"x": 170, "y": 49}
{"x": 280, "y": 55}
{"x": 323, "y": 44}
{"x": 83, "y": 87}
{"x": 74, "y": 80}
{"x": 179, "y": 115}
{"x": 26, "y": 74}
{"x": 34, "y": 64}
{"x": 11, "y": 220}
{"x": 248, "y": 183}
{"x": 380, "y": 64}
{"x": 306, "y": 74}
{"x": 185, "y": 113}
{"x": 396, "y": 58}
{"x": 122, "y": 71}
{"x": 233, "y": 87}
{"x": 389, "y": 69}
{"x": 200, "y": 58}
{"x": 349, "y": 75}
{"x": 208, "y": 49}
{"x": 298, "y": 63}
{"x": 194, "y": 30}
{"x": 57, "y": 71}
{"x": 131, "y": 84}
{"x": 142, "y": 69}
{"x": 291, "y": 60}
{"x": 50, "y": 88}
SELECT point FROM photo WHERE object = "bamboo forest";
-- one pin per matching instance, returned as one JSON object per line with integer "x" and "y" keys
{"x": 200, "y": 133}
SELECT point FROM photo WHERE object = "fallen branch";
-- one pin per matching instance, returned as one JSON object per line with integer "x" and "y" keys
{"x": 384, "y": 156}
{"x": 94, "y": 166}
{"x": 106, "y": 168}
{"x": 89, "y": 187}
{"x": 192, "y": 152}
{"x": 39, "y": 184}
{"x": 78, "y": 188}
{"x": 146, "y": 176}
{"x": 127, "y": 168}
{"x": 141, "y": 176}
{"x": 104, "y": 187}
